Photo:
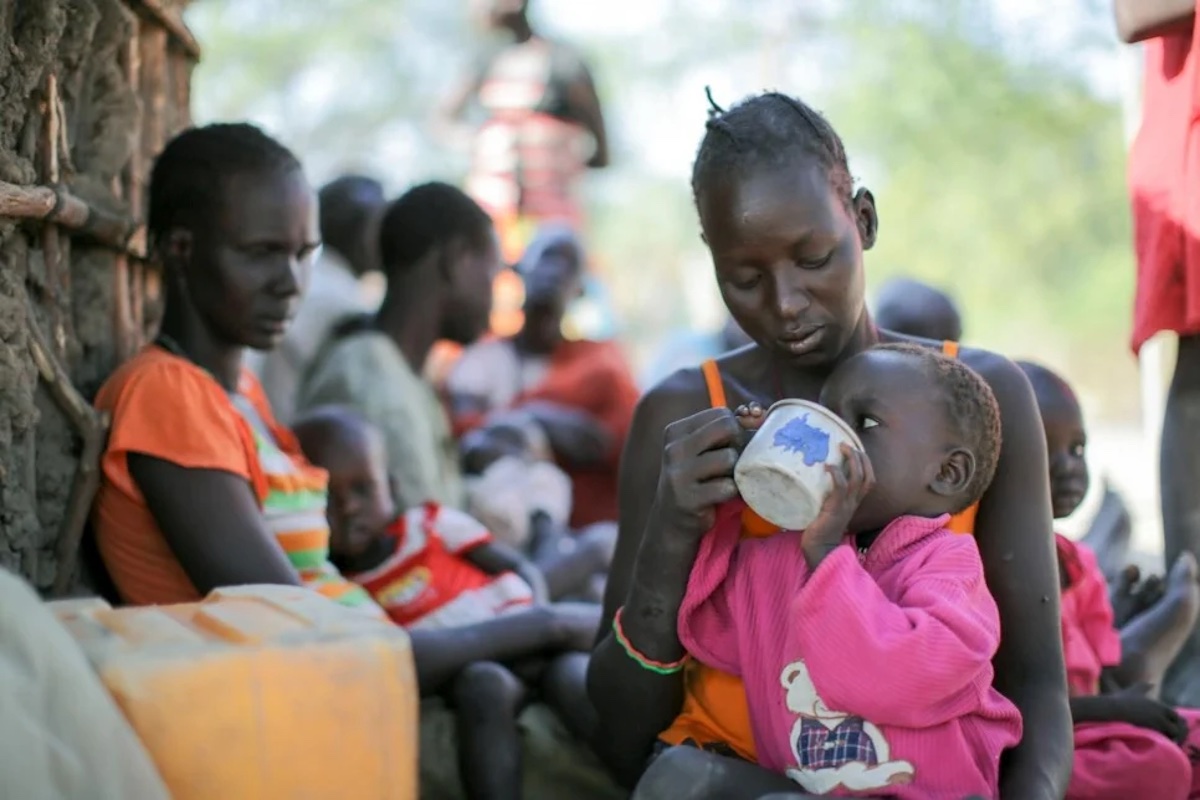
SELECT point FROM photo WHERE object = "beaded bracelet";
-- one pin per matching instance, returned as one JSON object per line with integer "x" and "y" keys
{"x": 661, "y": 667}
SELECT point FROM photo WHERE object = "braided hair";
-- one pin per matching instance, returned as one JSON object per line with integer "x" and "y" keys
{"x": 763, "y": 131}
{"x": 189, "y": 174}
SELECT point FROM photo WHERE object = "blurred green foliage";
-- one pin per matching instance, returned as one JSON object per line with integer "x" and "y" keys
{"x": 997, "y": 166}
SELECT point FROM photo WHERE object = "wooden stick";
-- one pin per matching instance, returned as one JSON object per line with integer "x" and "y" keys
{"x": 92, "y": 426}
{"x": 137, "y": 304}
{"x": 155, "y": 10}
{"x": 50, "y": 139}
{"x": 132, "y": 63}
{"x": 153, "y": 58}
{"x": 152, "y": 45}
{"x": 58, "y": 274}
{"x": 181, "y": 80}
{"x": 124, "y": 324}
{"x": 59, "y": 206}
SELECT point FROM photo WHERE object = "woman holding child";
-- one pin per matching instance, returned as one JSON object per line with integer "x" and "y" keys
{"x": 786, "y": 230}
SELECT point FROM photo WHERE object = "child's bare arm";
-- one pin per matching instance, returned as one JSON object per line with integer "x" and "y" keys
{"x": 495, "y": 558}
{"x": 441, "y": 654}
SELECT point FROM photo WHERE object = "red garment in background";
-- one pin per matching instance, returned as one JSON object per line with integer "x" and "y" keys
{"x": 1164, "y": 180}
{"x": 1114, "y": 760}
{"x": 592, "y": 377}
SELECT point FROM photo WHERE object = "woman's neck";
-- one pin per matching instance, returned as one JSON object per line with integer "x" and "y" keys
{"x": 520, "y": 30}
{"x": 197, "y": 344}
{"x": 413, "y": 327}
{"x": 792, "y": 381}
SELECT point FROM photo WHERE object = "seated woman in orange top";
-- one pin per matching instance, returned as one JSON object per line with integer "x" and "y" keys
{"x": 201, "y": 487}
{"x": 581, "y": 392}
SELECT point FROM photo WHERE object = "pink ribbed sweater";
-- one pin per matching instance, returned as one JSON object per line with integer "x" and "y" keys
{"x": 870, "y": 675}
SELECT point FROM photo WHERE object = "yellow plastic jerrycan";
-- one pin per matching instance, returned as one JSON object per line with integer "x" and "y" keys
{"x": 260, "y": 692}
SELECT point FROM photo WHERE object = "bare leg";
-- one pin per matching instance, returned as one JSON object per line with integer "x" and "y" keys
{"x": 487, "y": 698}
{"x": 1180, "y": 477}
{"x": 570, "y": 562}
{"x": 1122, "y": 595}
{"x": 1108, "y": 535}
{"x": 564, "y": 688}
{"x": 687, "y": 773}
{"x": 1151, "y": 641}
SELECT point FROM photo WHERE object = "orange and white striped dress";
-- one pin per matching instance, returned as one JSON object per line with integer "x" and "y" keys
{"x": 165, "y": 406}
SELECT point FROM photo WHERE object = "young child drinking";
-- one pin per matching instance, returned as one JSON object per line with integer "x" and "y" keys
{"x": 434, "y": 567}
{"x": 865, "y": 641}
{"x": 1127, "y": 743}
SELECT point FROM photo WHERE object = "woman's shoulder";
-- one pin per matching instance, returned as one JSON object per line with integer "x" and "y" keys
{"x": 1009, "y": 385}
{"x": 1007, "y": 381}
{"x": 682, "y": 393}
{"x": 683, "y": 387}
{"x": 154, "y": 373}
{"x": 357, "y": 363}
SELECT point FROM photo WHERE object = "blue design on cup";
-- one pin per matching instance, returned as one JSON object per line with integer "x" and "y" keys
{"x": 797, "y": 436}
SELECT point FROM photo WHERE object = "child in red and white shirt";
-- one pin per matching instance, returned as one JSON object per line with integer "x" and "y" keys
{"x": 441, "y": 571}
{"x": 432, "y": 567}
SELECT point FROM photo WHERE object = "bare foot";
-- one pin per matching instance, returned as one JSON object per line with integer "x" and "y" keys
{"x": 1157, "y": 634}
{"x": 1109, "y": 533}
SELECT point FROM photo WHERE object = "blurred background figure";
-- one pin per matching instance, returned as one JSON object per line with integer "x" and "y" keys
{"x": 542, "y": 127}
{"x": 908, "y": 306}
{"x": 579, "y": 391}
{"x": 690, "y": 348}
{"x": 1048, "y": 81}
{"x": 349, "y": 208}
{"x": 1166, "y": 219}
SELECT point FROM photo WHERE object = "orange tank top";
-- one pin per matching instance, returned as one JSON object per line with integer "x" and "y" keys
{"x": 715, "y": 714}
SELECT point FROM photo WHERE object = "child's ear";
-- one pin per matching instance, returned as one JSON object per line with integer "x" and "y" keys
{"x": 955, "y": 473}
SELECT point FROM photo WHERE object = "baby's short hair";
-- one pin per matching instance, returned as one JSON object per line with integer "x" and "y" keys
{"x": 323, "y": 431}
{"x": 971, "y": 408}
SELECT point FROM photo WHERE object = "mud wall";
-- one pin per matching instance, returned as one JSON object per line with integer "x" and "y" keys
{"x": 91, "y": 90}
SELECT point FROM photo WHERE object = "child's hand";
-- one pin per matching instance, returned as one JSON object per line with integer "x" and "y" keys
{"x": 1150, "y": 714}
{"x": 851, "y": 483}
{"x": 751, "y": 416}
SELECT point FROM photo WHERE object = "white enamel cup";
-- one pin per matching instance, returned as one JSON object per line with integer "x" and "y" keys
{"x": 781, "y": 474}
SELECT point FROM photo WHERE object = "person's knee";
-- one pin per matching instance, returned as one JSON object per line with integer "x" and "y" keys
{"x": 486, "y": 684}
{"x": 679, "y": 773}
{"x": 564, "y": 688}
{"x": 600, "y": 543}
{"x": 566, "y": 673}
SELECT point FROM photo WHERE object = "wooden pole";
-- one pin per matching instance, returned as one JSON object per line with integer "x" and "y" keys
{"x": 57, "y": 286}
{"x": 153, "y": 85}
{"x": 93, "y": 429}
{"x": 157, "y": 12}
{"x": 57, "y": 205}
